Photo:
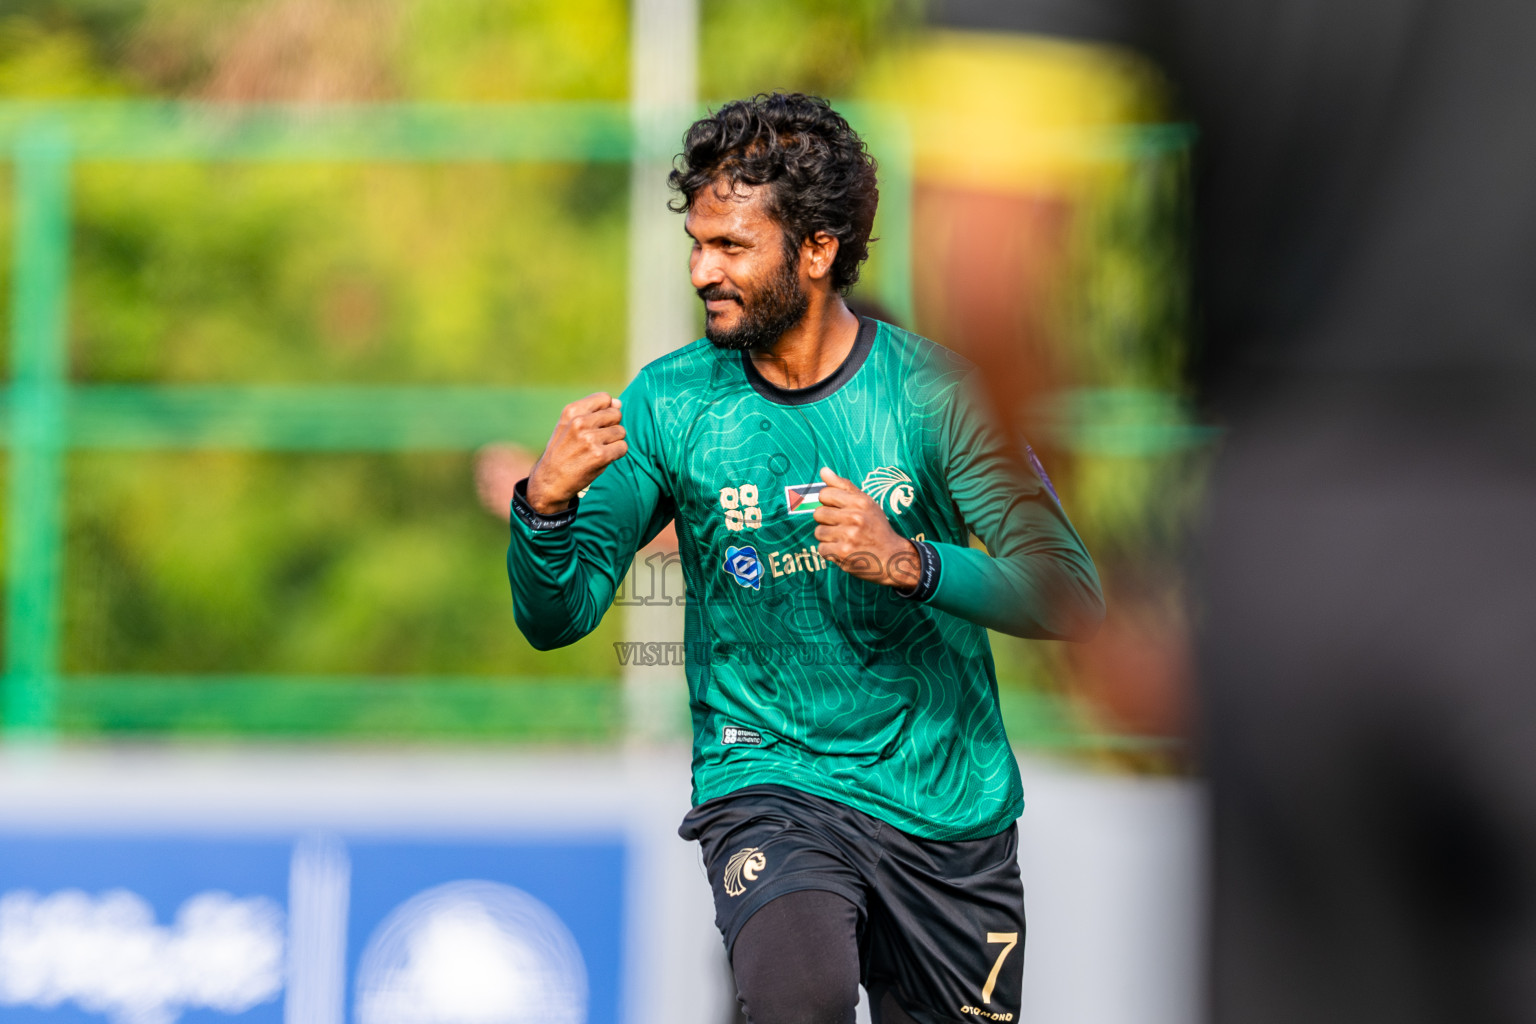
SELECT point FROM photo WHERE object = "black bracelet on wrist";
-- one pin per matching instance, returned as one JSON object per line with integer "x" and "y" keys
{"x": 927, "y": 573}
{"x": 534, "y": 519}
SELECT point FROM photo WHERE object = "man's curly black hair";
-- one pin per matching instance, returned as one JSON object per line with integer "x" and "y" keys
{"x": 820, "y": 177}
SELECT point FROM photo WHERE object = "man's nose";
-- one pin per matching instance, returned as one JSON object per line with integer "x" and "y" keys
{"x": 704, "y": 270}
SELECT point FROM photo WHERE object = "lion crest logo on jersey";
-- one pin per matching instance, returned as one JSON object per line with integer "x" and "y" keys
{"x": 890, "y": 485}
{"x": 743, "y": 868}
{"x": 744, "y": 566}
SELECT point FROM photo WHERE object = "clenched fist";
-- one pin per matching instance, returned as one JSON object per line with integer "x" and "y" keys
{"x": 855, "y": 536}
{"x": 586, "y": 441}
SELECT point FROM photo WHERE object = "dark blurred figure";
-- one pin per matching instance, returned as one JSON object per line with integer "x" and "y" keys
{"x": 1366, "y": 199}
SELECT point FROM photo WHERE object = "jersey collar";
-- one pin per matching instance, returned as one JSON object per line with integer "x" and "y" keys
{"x": 827, "y": 385}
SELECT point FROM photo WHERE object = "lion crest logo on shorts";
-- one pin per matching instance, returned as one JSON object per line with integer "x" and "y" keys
{"x": 742, "y": 868}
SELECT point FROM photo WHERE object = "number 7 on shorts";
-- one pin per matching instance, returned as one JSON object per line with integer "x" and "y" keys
{"x": 1010, "y": 939}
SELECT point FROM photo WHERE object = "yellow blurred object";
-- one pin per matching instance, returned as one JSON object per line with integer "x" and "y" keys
{"x": 1014, "y": 113}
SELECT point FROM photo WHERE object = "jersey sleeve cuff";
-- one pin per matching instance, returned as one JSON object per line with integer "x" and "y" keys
{"x": 536, "y": 520}
{"x": 928, "y": 566}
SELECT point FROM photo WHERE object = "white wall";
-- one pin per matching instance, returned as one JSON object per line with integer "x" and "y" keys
{"x": 1113, "y": 890}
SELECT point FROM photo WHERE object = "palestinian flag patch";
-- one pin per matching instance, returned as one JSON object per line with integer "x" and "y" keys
{"x": 803, "y": 497}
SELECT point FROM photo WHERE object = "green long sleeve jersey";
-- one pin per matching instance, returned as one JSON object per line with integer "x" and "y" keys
{"x": 799, "y": 673}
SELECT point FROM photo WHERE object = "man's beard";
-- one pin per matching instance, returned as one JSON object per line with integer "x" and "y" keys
{"x": 765, "y": 315}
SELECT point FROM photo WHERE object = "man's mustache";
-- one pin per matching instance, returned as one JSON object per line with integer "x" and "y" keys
{"x": 717, "y": 292}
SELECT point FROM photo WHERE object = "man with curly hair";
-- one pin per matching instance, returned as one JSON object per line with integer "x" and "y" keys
{"x": 854, "y": 792}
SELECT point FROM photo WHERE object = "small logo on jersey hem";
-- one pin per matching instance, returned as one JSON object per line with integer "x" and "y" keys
{"x": 743, "y": 868}
{"x": 890, "y": 485}
{"x": 977, "y": 1011}
{"x": 744, "y": 566}
{"x": 736, "y": 734}
{"x": 803, "y": 499}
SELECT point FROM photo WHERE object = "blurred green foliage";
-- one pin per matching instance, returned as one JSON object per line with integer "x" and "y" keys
{"x": 747, "y": 47}
{"x": 336, "y": 566}
{"x": 1129, "y": 317}
{"x": 377, "y": 568}
{"x": 477, "y": 273}
{"x": 214, "y": 562}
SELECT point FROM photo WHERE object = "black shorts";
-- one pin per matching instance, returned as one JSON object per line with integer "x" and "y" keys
{"x": 940, "y": 923}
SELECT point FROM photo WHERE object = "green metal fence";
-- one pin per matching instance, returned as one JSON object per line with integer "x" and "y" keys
{"x": 44, "y": 415}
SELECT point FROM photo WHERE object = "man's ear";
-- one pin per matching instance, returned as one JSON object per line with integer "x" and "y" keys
{"x": 817, "y": 254}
